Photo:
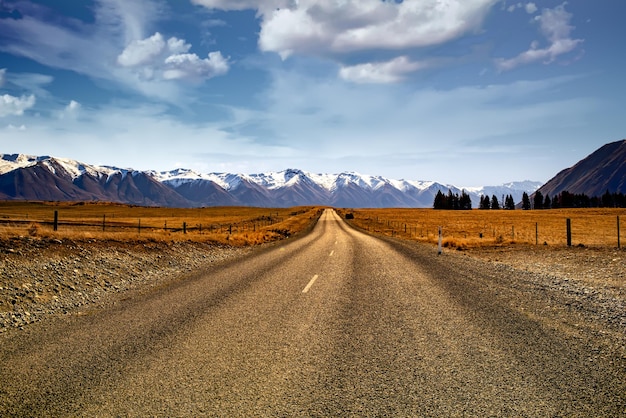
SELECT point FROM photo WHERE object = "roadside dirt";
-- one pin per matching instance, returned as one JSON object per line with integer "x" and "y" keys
{"x": 43, "y": 277}
{"x": 592, "y": 267}
{"x": 578, "y": 290}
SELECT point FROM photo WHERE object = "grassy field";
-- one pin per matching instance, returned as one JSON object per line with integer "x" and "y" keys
{"x": 225, "y": 225}
{"x": 474, "y": 228}
{"x": 250, "y": 226}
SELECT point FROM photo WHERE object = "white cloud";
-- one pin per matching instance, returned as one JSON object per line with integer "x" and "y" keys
{"x": 331, "y": 26}
{"x": 71, "y": 110}
{"x": 3, "y": 72}
{"x": 555, "y": 27}
{"x": 531, "y": 8}
{"x": 380, "y": 72}
{"x": 318, "y": 27}
{"x": 73, "y": 106}
{"x": 154, "y": 58}
{"x": 178, "y": 46}
{"x": 513, "y": 7}
{"x": 190, "y": 66}
{"x": 141, "y": 52}
{"x": 11, "y": 105}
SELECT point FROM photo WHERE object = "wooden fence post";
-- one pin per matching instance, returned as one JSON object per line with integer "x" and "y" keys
{"x": 184, "y": 227}
{"x": 139, "y": 226}
{"x": 618, "y": 237}
{"x": 439, "y": 250}
{"x": 56, "y": 220}
{"x": 568, "y": 223}
{"x": 536, "y": 233}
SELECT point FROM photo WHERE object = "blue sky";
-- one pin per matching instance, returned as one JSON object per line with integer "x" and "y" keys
{"x": 466, "y": 92}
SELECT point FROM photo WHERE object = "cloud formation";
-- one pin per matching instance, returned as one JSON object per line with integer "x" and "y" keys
{"x": 154, "y": 58}
{"x": 11, "y": 105}
{"x": 530, "y": 8}
{"x": 332, "y": 28}
{"x": 142, "y": 51}
{"x": 381, "y": 72}
{"x": 555, "y": 27}
{"x": 320, "y": 27}
{"x": 71, "y": 110}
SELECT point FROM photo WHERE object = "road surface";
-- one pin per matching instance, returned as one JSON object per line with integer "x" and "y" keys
{"x": 336, "y": 323}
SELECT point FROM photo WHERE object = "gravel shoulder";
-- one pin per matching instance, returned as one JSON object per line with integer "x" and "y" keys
{"x": 47, "y": 277}
{"x": 581, "y": 291}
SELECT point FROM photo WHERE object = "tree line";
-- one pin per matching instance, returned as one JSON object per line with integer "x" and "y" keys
{"x": 566, "y": 200}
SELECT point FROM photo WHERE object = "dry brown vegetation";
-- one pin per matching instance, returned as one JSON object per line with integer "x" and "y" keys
{"x": 476, "y": 228}
{"x": 236, "y": 226}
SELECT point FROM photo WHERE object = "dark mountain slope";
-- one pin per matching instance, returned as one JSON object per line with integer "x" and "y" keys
{"x": 604, "y": 169}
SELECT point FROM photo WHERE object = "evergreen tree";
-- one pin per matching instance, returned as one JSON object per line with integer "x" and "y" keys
{"x": 440, "y": 201}
{"x": 465, "y": 202}
{"x": 538, "y": 200}
{"x": 607, "y": 200}
{"x": 566, "y": 199}
{"x": 547, "y": 203}
{"x": 484, "y": 202}
{"x": 494, "y": 202}
{"x": 509, "y": 203}
{"x": 525, "y": 201}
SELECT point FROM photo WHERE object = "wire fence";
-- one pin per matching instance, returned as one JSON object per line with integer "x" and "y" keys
{"x": 138, "y": 225}
{"x": 472, "y": 228}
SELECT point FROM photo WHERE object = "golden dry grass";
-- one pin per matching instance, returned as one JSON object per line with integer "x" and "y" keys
{"x": 474, "y": 228}
{"x": 237, "y": 226}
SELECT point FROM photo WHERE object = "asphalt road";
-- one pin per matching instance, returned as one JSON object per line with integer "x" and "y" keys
{"x": 336, "y": 323}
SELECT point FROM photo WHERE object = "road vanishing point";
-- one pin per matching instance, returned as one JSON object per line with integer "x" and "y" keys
{"x": 336, "y": 323}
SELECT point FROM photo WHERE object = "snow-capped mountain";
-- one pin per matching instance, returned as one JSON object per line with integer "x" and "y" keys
{"x": 50, "y": 178}
{"x": 26, "y": 177}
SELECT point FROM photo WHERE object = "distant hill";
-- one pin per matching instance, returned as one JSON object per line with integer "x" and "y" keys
{"x": 604, "y": 169}
{"x": 26, "y": 177}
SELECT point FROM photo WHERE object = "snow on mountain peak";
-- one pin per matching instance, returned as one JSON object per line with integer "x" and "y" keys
{"x": 75, "y": 169}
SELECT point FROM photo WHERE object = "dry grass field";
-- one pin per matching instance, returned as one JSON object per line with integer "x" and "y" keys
{"x": 477, "y": 228}
{"x": 236, "y": 226}
{"x": 240, "y": 226}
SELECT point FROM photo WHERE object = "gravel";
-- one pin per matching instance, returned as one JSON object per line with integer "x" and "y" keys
{"x": 43, "y": 277}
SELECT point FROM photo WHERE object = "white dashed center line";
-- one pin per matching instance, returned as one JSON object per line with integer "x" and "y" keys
{"x": 308, "y": 286}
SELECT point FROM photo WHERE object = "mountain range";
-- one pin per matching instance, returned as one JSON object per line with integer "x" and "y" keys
{"x": 27, "y": 177}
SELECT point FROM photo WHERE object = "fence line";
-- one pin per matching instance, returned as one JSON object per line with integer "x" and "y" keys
{"x": 574, "y": 231}
{"x": 107, "y": 225}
